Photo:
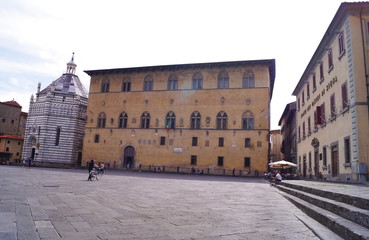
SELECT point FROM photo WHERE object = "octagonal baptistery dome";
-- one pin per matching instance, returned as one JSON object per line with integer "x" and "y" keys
{"x": 54, "y": 132}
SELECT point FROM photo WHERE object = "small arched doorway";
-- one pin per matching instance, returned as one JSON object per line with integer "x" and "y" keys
{"x": 129, "y": 157}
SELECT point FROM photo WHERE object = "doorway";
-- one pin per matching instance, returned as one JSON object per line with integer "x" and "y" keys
{"x": 335, "y": 166}
{"x": 129, "y": 157}
{"x": 304, "y": 166}
{"x": 316, "y": 162}
{"x": 33, "y": 153}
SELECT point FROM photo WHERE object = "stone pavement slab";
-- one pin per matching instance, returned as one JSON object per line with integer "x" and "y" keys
{"x": 61, "y": 204}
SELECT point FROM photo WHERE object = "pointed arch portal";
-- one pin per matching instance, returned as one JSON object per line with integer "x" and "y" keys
{"x": 129, "y": 157}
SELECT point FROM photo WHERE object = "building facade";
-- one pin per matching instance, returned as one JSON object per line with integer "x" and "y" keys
{"x": 12, "y": 119}
{"x": 55, "y": 124}
{"x": 213, "y": 116}
{"x": 10, "y": 149}
{"x": 288, "y": 132}
{"x": 276, "y": 143}
{"x": 332, "y": 100}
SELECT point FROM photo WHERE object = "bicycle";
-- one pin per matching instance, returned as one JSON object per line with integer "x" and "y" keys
{"x": 93, "y": 175}
{"x": 100, "y": 172}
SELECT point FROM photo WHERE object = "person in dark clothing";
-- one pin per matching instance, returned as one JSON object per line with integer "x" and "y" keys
{"x": 91, "y": 166}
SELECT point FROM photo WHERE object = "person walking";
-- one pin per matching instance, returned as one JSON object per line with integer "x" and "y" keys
{"x": 29, "y": 163}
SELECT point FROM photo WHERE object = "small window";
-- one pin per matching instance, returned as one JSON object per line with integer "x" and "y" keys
{"x": 303, "y": 97}
{"x": 220, "y": 161}
{"x": 3, "y": 120}
{"x": 105, "y": 85}
{"x": 330, "y": 60}
{"x": 12, "y": 121}
{"x": 126, "y": 85}
{"x": 97, "y": 138}
{"x": 8, "y": 142}
{"x": 57, "y": 136}
{"x": 247, "y": 162}
{"x": 197, "y": 81}
{"x": 162, "y": 140}
{"x": 172, "y": 82}
{"x": 19, "y": 143}
{"x": 194, "y": 141}
{"x": 170, "y": 121}
{"x": 101, "y": 120}
{"x": 341, "y": 44}
{"x": 221, "y": 142}
{"x": 222, "y": 120}
{"x": 248, "y": 80}
{"x": 248, "y": 120}
{"x": 247, "y": 142}
{"x": 145, "y": 120}
{"x": 347, "y": 150}
{"x": 314, "y": 82}
{"x": 321, "y": 72}
{"x": 7, "y": 149}
{"x": 195, "y": 120}
{"x": 193, "y": 160}
{"x": 333, "y": 106}
{"x": 223, "y": 80}
{"x": 148, "y": 83}
{"x": 307, "y": 90}
{"x": 345, "y": 102}
{"x": 309, "y": 126}
{"x": 123, "y": 120}
{"x": 298, "y": 103}
{"x": 17, "y": 154}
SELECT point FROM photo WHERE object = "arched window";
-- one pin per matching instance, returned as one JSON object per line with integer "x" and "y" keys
{"x": 197, "y": 81}
{"x": 126, "y": 84}
{"x": 172, "y": 82}
{"x": 170, "y": 121}
{"x": 145, "y": 120}
{"x": 223, "y": 80}
{"x": 148, "y": 83}
{"x": 248, "y": 79}
{"x": 57, "y": 138}
{"x": 195, "y": 120}
{"x": 248, "y": 120}
{"x": 105, "y": 84}
{"x": 222, "y": 120}
{"x": 123, "y": 120}
{"x": 101, "y": 120}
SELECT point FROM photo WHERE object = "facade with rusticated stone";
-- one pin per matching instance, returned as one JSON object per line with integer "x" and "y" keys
{"x": 212, "y": 116}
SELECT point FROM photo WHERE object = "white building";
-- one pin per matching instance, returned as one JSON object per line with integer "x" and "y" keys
{"x": 56, "y": 119}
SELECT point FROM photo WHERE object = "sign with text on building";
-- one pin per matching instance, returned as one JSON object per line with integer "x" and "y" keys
{"x": 178, "y": 150}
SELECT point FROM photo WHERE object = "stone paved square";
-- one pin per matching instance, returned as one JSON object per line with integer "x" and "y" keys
{"x": 61, "y": 204}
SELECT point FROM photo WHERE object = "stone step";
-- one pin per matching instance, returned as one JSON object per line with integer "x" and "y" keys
{"x": 348, "y": 199}
{"x": 339, "y": 225}
{"x": 352, "y": 213}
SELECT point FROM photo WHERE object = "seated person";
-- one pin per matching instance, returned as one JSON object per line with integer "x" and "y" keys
{"x": 278, "y": 177}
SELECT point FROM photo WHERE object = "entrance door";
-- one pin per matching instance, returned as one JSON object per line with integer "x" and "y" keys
{"x": 129, "y": 156}
{"x": 316, "y": 163}
{"x": 33, "y": 153}
{"x": 304, "y": 167}
{"x": 335, "y": 169}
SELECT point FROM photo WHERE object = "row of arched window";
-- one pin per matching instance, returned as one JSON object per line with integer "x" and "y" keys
{"x": 248, "y": 81}
{"x": 170, "y": 120}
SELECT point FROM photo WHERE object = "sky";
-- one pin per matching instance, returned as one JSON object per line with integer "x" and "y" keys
{"x": 38, "y": 37}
